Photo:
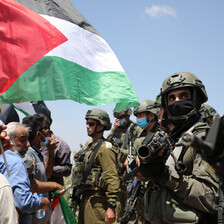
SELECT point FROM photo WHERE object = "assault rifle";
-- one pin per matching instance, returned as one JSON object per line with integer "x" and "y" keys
{"x": 212, "y": 148}
{"x": 134, "y": 193}
{"x": 159, "y": 144}
{"x": 75, "y": 195}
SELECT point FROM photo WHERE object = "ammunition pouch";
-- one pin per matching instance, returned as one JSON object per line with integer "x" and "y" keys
{"x": 163, "y": 206}
{"x": 95, "y": 179}
{"x": 78, "y": 173}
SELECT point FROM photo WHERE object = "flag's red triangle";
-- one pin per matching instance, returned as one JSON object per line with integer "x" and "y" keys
{"x": 25, "y": 37}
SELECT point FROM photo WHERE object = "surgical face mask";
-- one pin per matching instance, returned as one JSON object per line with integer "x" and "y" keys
{"x": 142, "y": 122}
{"x": 123, "y": 122}
{"x": 46, "y": 140}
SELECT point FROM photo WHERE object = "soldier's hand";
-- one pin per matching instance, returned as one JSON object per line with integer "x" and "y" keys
{"x": 110, "y": 216}
{"x": 126, "y": 164}
{"x": 116, "y": 124}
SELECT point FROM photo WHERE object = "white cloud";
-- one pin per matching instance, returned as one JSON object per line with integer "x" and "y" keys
{"x": 158, "y": 11}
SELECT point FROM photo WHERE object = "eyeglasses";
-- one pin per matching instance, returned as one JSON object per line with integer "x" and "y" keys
{"x": 91, "y": 123}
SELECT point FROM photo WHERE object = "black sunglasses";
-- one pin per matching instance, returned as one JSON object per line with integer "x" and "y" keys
{"x": 91, "y": 123}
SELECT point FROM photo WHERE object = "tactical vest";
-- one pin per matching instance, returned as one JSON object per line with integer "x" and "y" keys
{"x": 95, "y": 178}
{"x": 162, "y": 206}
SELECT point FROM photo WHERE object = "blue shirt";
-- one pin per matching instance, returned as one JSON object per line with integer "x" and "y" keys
{"x": 25, "y": 200}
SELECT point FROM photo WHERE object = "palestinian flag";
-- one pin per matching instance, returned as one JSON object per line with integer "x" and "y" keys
{"x": 62, "y": 213}
{"x": 48, "y": 51}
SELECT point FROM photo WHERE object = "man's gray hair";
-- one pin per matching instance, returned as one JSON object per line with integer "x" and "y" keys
{"x": 11, "y": 129}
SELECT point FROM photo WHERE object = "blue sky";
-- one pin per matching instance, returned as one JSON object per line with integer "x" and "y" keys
{"x": 152, "y": 40}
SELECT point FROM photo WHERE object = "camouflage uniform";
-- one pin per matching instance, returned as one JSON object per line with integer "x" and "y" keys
{"x": 148, "y": 107}
{"x": 207, "y": 113}
{"x": 188, "y": 195}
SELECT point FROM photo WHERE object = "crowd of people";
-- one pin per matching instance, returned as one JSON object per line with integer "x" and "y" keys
{"x": 140, "y": 173}
{"x": 36, "y": 162}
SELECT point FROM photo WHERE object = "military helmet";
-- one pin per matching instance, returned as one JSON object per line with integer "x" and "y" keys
{"x": 158, "y": 102}
{"x": 182, "y": 80}
{"x": 126, "y": 112}
{"x": 207, "y": 111}
{"x": 99, "y": 115}
{"x": 146, "y": 105}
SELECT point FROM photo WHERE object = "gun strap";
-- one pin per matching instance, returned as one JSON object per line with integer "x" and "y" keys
{"x": 150, "y": 135}
{"x": 127, "y": 135}
{"x": 90, "y": 164}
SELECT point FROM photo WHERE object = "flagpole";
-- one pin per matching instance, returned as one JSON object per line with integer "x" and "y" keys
{"x": 5, "y": 161}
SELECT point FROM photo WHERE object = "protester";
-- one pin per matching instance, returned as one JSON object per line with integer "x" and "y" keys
{"x": 62, "y": 164}
{"x": 25, "y": 201}
{"x": 8, "y": 212}
{"x": 38, "y": 131}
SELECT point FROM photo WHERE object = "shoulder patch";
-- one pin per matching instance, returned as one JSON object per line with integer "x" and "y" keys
{"x": 108, "y": 145}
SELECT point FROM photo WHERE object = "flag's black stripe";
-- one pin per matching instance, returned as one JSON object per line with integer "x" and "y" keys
{"x": 63, "y": 9}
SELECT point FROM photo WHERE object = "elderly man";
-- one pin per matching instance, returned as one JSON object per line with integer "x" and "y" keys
{"x": 25, "y": 200}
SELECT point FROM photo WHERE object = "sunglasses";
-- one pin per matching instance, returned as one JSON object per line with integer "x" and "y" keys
{"x": 91, "y": 123}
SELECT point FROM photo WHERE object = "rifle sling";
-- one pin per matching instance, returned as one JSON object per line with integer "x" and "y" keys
{"x": 150, "y": 135}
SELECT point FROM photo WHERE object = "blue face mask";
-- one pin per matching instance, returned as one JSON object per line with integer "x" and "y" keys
{"x": 123, "y": 122}
{"x": 46, "y": 140}
{"x": 142, "y": 122}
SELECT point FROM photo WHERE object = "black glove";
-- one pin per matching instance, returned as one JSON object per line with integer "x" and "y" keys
{"x": 155, "y": 170}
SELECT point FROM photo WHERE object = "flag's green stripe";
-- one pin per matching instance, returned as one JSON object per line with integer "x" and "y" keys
{"x": 67, "y": 212}
{"x": 54, "y": 78}
{"x": 22, "y": 111}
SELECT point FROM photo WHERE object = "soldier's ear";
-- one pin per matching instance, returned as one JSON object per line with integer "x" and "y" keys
{"x": 101, "y": 127}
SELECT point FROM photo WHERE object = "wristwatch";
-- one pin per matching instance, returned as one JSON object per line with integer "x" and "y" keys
{"x": 112, "y": 204}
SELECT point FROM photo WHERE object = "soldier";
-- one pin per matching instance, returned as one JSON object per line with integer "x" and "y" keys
{"x": 119, "y": 132}
{"x": 207, "y": 113}
{"x": 146, "y": 114}
{"x": 122, "y": 136}
{"x": 184, "y": 186}
{"x": 97, "y": 163}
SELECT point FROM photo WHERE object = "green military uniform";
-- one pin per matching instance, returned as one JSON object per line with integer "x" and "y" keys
{"x": 102, "y": 185}
{"x": 187, "y": 197}
{"x": 95, "y": 175}
{"x": 123, "y": 137}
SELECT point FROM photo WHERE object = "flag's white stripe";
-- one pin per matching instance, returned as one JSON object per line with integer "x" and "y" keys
{"x": 84, "y": 48}
{"x": 26, "y": 107}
